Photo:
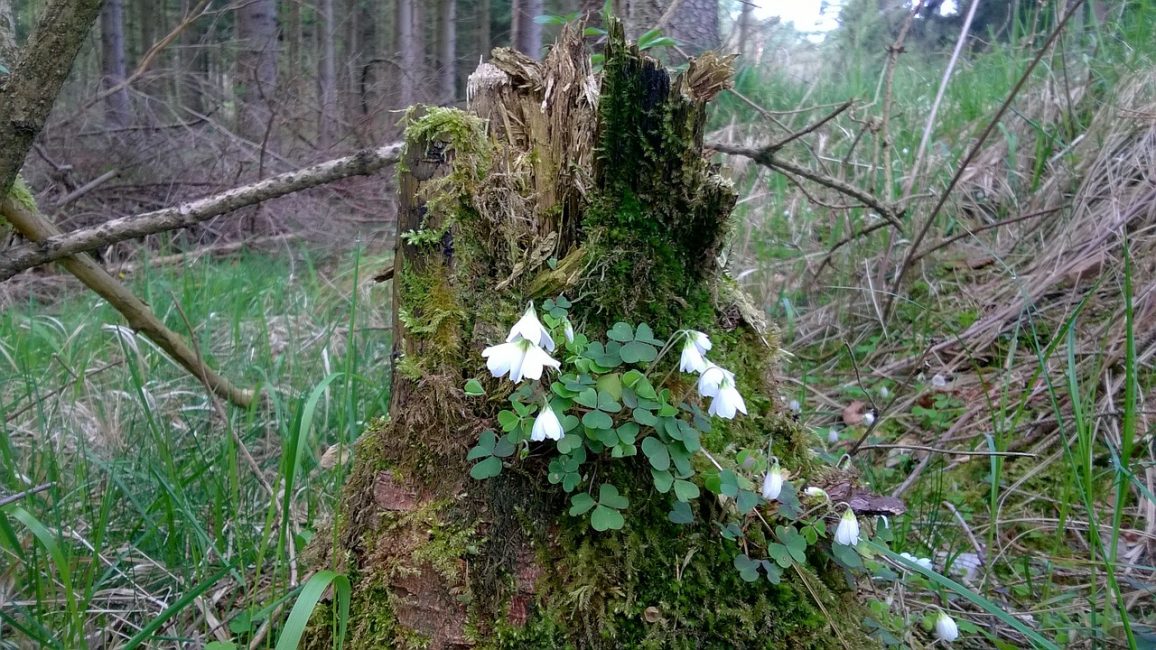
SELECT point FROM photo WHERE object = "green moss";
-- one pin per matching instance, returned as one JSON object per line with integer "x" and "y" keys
{"x": 22, "y": 194}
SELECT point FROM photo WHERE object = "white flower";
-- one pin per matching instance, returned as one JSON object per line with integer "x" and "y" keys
{"x": 700, "y": 341}
{"x": 547, "y": 425}
{"x": 726, "y": 403}
{"x": 945, "y": 627}
{"x": 832, "y": 435}
{"x": 939, "y": 381}
{"x": 568, "y": 331}
{"x": 711, "y": 378}
{"x": 884, "y": 392}
{"x": 773, "y": 482}
{"x": 530, "y": 328}
{"x": 816, "y": 492}
{"x": 520, "y": 359}
{"x": 921, "y": 561}
{"x": 869, "y": 418}
{"x": 795, "y": 406}
{"x": 848, "y": 531}
{"x": 692, "y": 359}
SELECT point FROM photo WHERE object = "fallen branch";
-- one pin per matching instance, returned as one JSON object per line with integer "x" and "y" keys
{"x": 48, "y": 249}
{"x": 33, "y": 225}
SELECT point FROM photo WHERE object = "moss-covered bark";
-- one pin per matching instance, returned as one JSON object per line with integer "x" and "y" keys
{"x": 630, "y": 226}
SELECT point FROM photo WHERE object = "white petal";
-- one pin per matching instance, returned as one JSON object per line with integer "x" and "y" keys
{"x": 773, "y": 483}
{"x": 727, "y": 402}
{"x": 506, "y": 358}
{"x": 530, "y": 328}
{"x": 692, "y": 360}
{"x": 546, "y": 425}
{"x": 945, "y": 628}
{"x": 700, "y": 341}
{"x": 710, "y": 379}
{"x": 536, "y": 360}
{"x": 568, "y": 331}
{"x": 848, "y": 531}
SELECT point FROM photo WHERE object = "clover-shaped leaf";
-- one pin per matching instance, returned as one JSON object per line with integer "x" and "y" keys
{"x": 748, "y": 568}
{"x": 656, "y": 452}
{"x": 681, "y": 514}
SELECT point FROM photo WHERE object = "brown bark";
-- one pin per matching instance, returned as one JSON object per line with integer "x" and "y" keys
{"x": 483, "y": 20}
{"x": 526, "y": 33}
{"x": 7, "y": 35}
{"x": 58, "y": 245}
{"x": 194, "y": 62}
{"x": 36, "y": 79}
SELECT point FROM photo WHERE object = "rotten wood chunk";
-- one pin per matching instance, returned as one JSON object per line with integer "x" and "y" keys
{"x": 865, "y": 502}
{"x": 390, "y": 494}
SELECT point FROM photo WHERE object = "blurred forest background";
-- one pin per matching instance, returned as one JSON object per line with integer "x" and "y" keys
{"x": 947, "y": 209}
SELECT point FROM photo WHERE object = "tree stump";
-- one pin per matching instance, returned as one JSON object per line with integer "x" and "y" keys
{"x": 553, "y": 186}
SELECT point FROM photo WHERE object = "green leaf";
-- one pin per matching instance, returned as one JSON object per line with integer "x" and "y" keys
{"x": 580, "y": 504}
{"x": 563, "y": 302}
{"x": 621, "y": 332}
{"x": 608, "y": 496}
{"x": 504, "y": 448}
{"x": 609, "y": 387}
{"x": 774, "y": 573}
{"x": 569, "y": 422}
{"x": 607, "y": 403}
{"x": 644, "y": 417}
{"x": 488, "y": 468}
{"x": 681, "y": 459}
{"x": 794, "y": 542}
{"x": 646, "y": 335}
{"x": 746, "y": 501}
{"x": 656, "y": 453}
{"x": 604, "y": 518}
{"x": 685, "y": 490}
{"x": 570, "y": 481}
{"x": 588, "y": 398}
{"x": 632, "y": 377}
{"x": 608, "y": 437}
{"x": 780, "y": 554}
{"x": 846, "y": 556}
{"x": 597, "y": 420}
{"x": 729, "y": 483}
{"x": 748, "y": 568}
{"x": 663, "y": 480}
{"x": 628, "y": 433}
{"x": 569, "y": 443}
{"x": 681, "y": 514}
{"x": 474, "y": 388}
{"x": 638, "y": 352}
{"x": 509, "y": 420}
{"x": 623, "y": 450}
{"x": 311, "y": 594}
{"x": 485, "y": 445}
{"x": 645, "y": 390}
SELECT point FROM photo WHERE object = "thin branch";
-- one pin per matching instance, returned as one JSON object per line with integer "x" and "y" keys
{"x": 913, "y": 249}
{"x": 13, "y": 498}
{"x": 767, "y": 159}
{"x": 950, "y": 452}
{"x": 812, "y": 128}
{"x": 26, "y": 256}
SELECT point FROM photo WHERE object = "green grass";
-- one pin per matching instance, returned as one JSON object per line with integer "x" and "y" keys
{"x": 156, "y": 529}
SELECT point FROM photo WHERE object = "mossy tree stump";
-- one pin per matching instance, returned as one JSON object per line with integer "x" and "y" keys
{"x": 552, "y": 185}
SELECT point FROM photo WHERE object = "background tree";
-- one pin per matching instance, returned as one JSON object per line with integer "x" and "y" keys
{"x": 118, "y": 111}
{"x": 256, "y": 65}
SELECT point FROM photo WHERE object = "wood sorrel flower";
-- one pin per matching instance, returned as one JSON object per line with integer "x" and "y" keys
{"x": 773, "y": 482}
{"x": 719, "y": 384}
{"x": 530, "y": 328}
{"x": 945, "y": 627}
{"x": 520, "y": 358}
{"x": 848, "y": 531}
{"x": 546, "y": 425}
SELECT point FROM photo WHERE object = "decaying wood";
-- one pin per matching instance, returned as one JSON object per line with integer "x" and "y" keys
{"x": 35, "y": 226}
{"x": 59, "y": 245}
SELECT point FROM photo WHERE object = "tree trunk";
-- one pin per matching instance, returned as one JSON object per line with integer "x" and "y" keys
{"x": 612, "y": 200}
{"x": 483, "y": 17}
{"x": 117, "y": 111}
{"x": 194, "y": 62}
{"x": 526, "y": 33}
{"x": 408, "y": 53}
{"x": 256, "y": 69}
{"x": 746, "y": 15}
{"x": 695, "y": 26}
{"x": 447, "y": 51}
{"x": 7, "y": 37}
{"x": 327, "y": 74}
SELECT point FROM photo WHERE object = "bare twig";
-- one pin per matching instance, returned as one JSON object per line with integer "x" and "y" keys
{"x": 952, "y": 452}
{"x": 13, "y": 498}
